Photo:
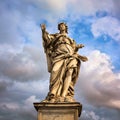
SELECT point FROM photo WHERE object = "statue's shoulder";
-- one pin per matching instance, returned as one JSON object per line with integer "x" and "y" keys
{"x": 55, "y": 34}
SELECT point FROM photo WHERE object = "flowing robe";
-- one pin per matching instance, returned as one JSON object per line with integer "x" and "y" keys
{"x": 61, "y": 57}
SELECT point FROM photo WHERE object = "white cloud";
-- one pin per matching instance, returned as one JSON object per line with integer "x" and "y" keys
{"x": 19, "y": 110}
{"x": 114, "y": 103}
{"x": 90, "y": 7}
{"x": 89, "y": 115}
{"x": 85, "y": 7}
{"x": 29, "y": 101}
{"x": 98, "y": 83}
{"x": 116, "y": 9}
{"x": 72, "y": 10}
{"x": 39, "y": 87}
{"x": 21, "y": 62}
{"x": 31, "y": 31}
{"x": 106, "y": 26}
{"x": 9, "y": 22}
{"x": 28, "y": 64}
{"x": 51, "y": 5}
{"x": 9, "y": 105}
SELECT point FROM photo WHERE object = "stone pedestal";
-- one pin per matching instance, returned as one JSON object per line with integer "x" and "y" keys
{"x": 58, "y": 111}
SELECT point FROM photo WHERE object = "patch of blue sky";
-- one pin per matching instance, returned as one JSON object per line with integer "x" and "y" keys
{"x": 82, "y": 31}
{"x": 107, "y": 45}
{"x": 101, "y": 42}
{"x": 42, "y": 21}
{"x": 16, "y": 5}
{"x": 31, "y": 8}
{"x": 12, "y": 4}
{"x": 82, "y": 34}
{"x": 100, "y": 14}
{"x": 26, "y": 38}
{"x": 106, "y": 113}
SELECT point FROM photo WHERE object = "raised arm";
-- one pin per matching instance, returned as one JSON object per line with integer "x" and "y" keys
{"x": 44, "y": 33}
{"x": 47, "y": 38}
{"x": 46, "y": 44}
{"x": 43, "y": 27}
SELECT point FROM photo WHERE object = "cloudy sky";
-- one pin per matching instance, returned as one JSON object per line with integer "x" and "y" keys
{"x": 23, "y": 71}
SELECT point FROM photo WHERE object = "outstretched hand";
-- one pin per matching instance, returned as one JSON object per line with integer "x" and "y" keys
{"x": 43, "y": 27}
{"x": 80, "y": 45}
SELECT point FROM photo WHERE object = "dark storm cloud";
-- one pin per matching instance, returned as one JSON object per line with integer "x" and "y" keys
{"x": 4, "y": 84}
{"x": 16, "y": 110}
{"x": 23, "y": 66}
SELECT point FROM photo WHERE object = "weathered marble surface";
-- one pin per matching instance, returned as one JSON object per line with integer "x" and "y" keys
{"x": 58, "y": 111}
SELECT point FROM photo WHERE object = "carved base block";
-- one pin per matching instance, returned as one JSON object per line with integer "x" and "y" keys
{"x": 58, "y": 111}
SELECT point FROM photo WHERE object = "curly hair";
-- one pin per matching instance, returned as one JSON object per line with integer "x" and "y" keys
{"x": 65, "y": 26}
